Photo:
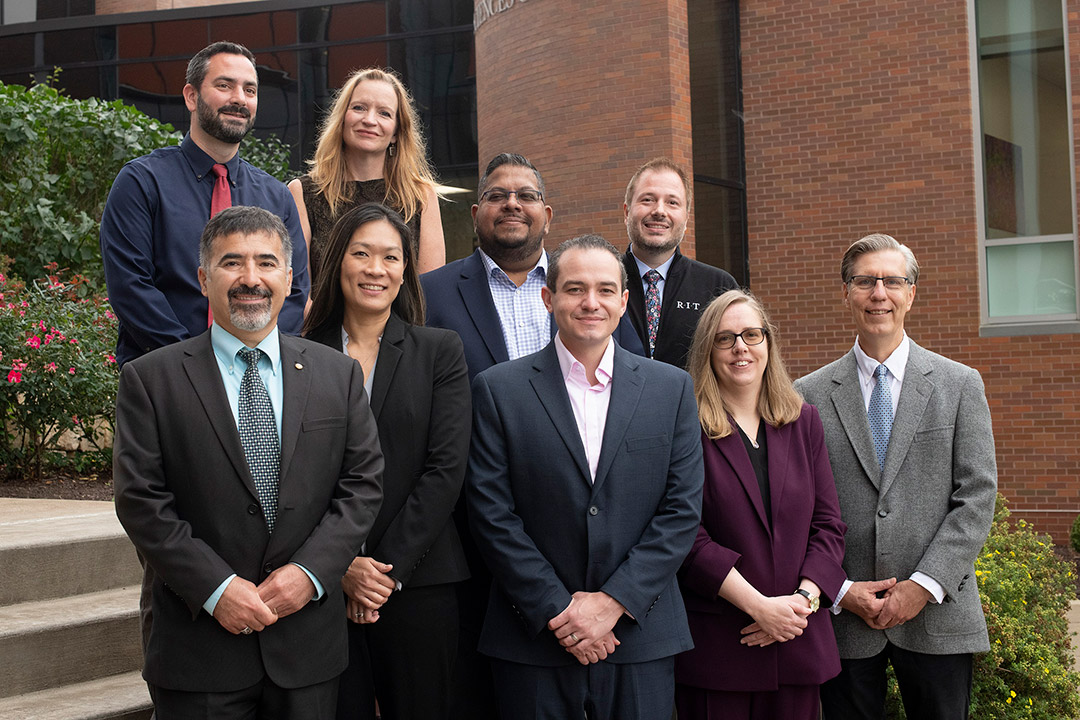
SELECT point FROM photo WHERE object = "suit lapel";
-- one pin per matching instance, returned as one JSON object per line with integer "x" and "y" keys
{"x": 848, "y": 401}
{"x": 731, "y": 447}
{"x": 914, "y": 396}
{"x": 296, "y": 383}
{"x": 635, "y": 306}
{"x": 205, "y": 377}
{"x": 476, "y": 295}
{"x": 672, "y": 283}
{"x": 389, "y": 354}
{"x": 550, "y": 388}
{"x": 626, "y": 387}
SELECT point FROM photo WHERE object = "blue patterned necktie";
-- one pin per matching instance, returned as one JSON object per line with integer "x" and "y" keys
{"x": 258, "y": 435}
{"x": 880, "y": 413}
{"x": 652, "y": 306}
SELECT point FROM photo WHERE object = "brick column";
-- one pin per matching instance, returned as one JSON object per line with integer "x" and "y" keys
{"x": 588, "y": 92}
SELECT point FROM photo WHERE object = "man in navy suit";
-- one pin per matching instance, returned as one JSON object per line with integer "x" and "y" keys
{"x": 492, "y": 297}
{"x": 492, "y": 300}
{"x": 584, "y": 494}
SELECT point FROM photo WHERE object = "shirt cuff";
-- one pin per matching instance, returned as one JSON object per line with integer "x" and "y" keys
{"x": 212, "y": 601}
{"x": 318, "y": 585}
{"x": 835, "y": 609}
{"x": 931, "y": 585}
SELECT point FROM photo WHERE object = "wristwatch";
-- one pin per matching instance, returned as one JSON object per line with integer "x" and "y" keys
{"x": 815, "y": 601}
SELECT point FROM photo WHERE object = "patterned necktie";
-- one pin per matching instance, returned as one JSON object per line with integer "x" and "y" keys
{"x": 258, "y": 435}
{"x": 880, "y": 413}
{"x": 652, "y": 306}
{"x": 219, "y": 200}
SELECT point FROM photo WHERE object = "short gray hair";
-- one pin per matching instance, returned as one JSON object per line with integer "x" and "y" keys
{"x": 876, "y": 242}
{"x": 246, "y": 221}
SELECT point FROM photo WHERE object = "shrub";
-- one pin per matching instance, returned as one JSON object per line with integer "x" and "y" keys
{"x": 1026, "y": 591}
{"x": 1074, "y": 536}
{"x": 58, "y": 369}
{"x": 58, "y": 159}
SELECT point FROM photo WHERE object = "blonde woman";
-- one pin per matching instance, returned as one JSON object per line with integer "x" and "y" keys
{"x": 771, "y": 541}
{"x": 370, "y": 150}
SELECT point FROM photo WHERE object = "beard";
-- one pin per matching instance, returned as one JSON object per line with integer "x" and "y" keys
{"x": 512, "y": 251}
{"x": 249, "y": 318}
{"x": 655, "y": 245}
{"x": 212, "y": 124}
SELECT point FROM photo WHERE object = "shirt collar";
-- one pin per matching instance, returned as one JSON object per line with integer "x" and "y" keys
{"x": 569, "y": 365}
{"x": 492, "y": 269}
{"x": 226, "y": 345}
{"x": 642, "y": 268}
{"x": 896, "y": 363}
{"x": 201, "y": 163}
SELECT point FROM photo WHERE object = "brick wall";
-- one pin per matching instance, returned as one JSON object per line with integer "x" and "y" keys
{"x": 588, "y": 93}
{"x": 859, "y": 119}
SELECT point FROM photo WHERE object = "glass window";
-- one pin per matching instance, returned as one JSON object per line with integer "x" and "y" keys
{"x": 1027, "y": 226}
{"x": 715, "y": 110}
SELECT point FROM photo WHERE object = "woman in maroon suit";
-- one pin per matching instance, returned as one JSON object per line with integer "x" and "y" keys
{"x": 771, "y": 540}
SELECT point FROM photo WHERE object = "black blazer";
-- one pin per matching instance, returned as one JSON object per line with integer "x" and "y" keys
{"x": 688, "y": 290}
{"x": 421, "y": 401}
{"x": 188, "y": 502}
{"x": 459, "y": 299}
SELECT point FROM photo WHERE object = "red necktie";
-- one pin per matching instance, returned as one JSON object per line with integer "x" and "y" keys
{"x": 221, "y": 199}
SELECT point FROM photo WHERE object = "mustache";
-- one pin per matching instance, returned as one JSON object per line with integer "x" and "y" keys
{"x": 249, "y": 290}
{"x": 238, "y": 109}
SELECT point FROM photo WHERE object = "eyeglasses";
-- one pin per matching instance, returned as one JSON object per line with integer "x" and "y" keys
{"x": 525, "y": 196}
{"x": 750, "y": 336}
{"x": 869, "y": 282}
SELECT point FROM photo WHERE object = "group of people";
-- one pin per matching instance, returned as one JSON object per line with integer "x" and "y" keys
{"x": 521, "y": 484}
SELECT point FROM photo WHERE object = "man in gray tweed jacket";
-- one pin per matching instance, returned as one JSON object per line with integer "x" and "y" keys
{"x": 912, "y": 451}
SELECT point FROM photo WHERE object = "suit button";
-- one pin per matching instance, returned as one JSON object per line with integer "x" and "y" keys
{"x": 882, "y": 513}
{"x": 594, "y": 510}
{"x": 253, "y": 509}
{"x": 268, "y": 568}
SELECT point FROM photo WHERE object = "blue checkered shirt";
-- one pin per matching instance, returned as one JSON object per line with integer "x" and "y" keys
{"x": 525, "y": 322}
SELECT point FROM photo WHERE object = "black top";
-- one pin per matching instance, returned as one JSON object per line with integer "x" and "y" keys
{"x": 759, "y": 458}
{"x": 321, "y": 220}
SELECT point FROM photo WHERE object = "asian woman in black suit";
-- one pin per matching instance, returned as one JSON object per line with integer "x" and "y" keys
{"x": 400, "y": 589}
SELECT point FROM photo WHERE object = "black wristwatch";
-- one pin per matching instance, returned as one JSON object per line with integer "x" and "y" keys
{"x": 815, "y": 601}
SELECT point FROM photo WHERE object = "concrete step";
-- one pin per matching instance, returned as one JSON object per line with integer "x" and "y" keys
{"x": 117, "y": 697}
{"x": 57, "y": 548}
{"x": 51, "y": 643}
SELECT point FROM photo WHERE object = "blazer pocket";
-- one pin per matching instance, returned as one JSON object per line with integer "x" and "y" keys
{"x": 323, "y": 423}
{"x": 934, "y": 434}
{"x": 647, "y": 443}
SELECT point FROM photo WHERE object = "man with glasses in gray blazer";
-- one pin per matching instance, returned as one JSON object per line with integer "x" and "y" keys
{"x": 912, "y": 451}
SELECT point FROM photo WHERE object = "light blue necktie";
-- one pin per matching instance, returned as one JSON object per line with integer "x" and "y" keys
{"x": 258, "y": 435}
{"x": 880, "y": 413}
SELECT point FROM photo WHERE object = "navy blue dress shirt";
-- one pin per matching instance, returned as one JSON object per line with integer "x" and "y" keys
{"x": 155, "y": 214}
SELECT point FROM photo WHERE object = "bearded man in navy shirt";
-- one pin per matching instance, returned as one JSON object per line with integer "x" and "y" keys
{"x": 159, "y": 204}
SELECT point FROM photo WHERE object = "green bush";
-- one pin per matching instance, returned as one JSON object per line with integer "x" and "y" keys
{"x": 58, "y": 159}
{"x": 58, "y": 369}
{"x": 1074, "y": 536}
{"x": 1026, "y": 592}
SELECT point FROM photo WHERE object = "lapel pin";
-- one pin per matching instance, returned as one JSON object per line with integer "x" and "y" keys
{"x": 299, "y": 366}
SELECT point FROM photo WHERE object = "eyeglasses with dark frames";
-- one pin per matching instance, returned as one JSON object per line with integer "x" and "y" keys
{"x": 750, "y": 336}
{"x": 525, "y": 196}
{"x": 869, "y": 282}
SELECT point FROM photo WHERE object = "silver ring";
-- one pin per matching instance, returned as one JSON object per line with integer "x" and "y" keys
{"x": 246, "y": 630}
{"x": 574, "y": 637}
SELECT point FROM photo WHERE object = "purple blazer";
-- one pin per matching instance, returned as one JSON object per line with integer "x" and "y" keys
{"x": 806, "y": 539}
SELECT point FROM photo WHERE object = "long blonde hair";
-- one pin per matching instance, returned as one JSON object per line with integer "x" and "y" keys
{"x": 407, "y": 173}
{"x": 779, "y": 403}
